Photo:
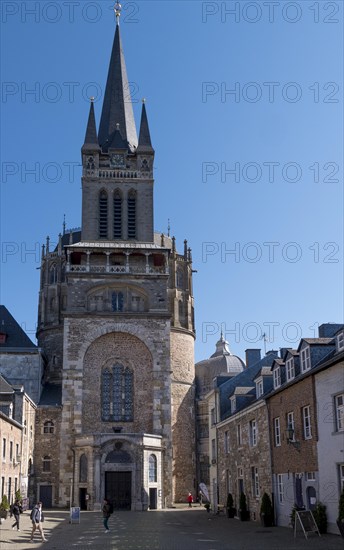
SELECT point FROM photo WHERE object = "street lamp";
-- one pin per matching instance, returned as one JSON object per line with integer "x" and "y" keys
{"x": 291, "y": 438}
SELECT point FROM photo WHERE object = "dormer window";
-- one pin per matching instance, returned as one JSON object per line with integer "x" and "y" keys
{"x": 233, "y": 404}
{"x": 3, "y": 337}
{"x": 305, "y": 359}
{"x": 340, "y": 341}
{"x": 259, "y": 388}
{"x": 277, "y": 377}
{"x": 290, "y": 369}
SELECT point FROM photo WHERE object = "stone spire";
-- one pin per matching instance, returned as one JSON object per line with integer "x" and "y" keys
{"x": 91, "y": 138}
{"x": 117, "y": 106}
{"x": 145, "y": 144}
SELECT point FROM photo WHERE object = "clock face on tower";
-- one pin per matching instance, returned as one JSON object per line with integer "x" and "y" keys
{"x": 117, "y": 161}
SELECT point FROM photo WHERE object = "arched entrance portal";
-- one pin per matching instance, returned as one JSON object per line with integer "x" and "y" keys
{"x": 118, "y": 480}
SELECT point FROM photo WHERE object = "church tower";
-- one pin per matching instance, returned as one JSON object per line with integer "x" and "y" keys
{"x": 116, "y": 322}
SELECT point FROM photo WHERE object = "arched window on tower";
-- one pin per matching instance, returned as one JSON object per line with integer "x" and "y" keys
{"x": 117, "y": 394}
{"x": 83, "y": 469}
{"x": 117, "y": 215}
{"x": 153, "y": 469}
{"x": 103, "y": 215}
{"x": 180, "y": 278}
{"x": 53, "y": 274}
{"x": 132, "y": 215}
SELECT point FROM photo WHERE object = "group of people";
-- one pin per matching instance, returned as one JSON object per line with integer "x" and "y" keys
{"x": 36, "y": 516}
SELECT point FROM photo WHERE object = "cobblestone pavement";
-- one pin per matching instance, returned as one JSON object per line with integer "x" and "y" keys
{"x": 177, "y": 529}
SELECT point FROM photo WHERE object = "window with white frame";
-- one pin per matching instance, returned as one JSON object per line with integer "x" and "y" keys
{"x": 291, "y": 424}
{"x": 290, "y": 369}
{"x": 259, "y": 387}
{"x": 310, "y": 476}
{"x": 239, "y": 436}
{"x": 341, "y": 476}
{"x": 253, "y": 433}
{"x": 277, "y": 432}
{"x": 339, "y": 408}
{"x": 11, "y": 450}
{"x": 233, "y": 404}
{"x": 280, "y": 488}
{"x": 255, "y": 481}
{"x": 227, "y": 442}
{"x": 277, "y": 377}
{"x": 340, "y": 341}
{"x": 306, "y": 417}
{"x": 305, "y": 359}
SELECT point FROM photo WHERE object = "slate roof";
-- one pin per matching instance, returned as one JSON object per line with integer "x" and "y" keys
{"x": 264, "y": 371}
{"x": 244, "y": 379}
{"x": 317, "y": 341}
{"x": 5, "y": 387}
{"x": 51, "y": 395}
{"x": 145, "y": 143}
{"x": 117, "y": 106}
{"x": 91, "y": 138}
{"x": 15, "y": 335}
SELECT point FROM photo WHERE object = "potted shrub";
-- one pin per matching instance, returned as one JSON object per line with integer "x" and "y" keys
{"x": 231, "y": 511}
{"x": 4, "y": 507}
{"x": 244, "y": 514}
{"x": 340, "y": 519}
{"x": 319, "y": 514}
{"x": 266, "y": 511}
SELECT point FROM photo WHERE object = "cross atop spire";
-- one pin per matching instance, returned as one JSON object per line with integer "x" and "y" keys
{"x": 117, "y": 10}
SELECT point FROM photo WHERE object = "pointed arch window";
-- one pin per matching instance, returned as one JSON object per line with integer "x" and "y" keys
{"x": 53, "y": 274}
{"x": 103, "y": 215}
{"x": 117, "y": 394}
{"x": 153, "y": 470}
{"x": 132, "y": 215}
{"x": 83, "y": 469}
{"x": 117, "y": 215}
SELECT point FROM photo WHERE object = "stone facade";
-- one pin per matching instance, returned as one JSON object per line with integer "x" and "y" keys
{"x": 245, "y": 466}
{"x": 116, "y": 322}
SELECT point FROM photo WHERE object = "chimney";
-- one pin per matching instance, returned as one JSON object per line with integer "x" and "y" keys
{"x": 282, "y": 352}
{"x": 252, "y": 356}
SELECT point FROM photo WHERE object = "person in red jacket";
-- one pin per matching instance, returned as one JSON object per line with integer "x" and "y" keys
{"x": 190, "y": 500}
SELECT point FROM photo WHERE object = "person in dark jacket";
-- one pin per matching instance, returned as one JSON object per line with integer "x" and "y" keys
{"x": 37, "y": 518}
{"x": 106, "y": 514}
{"x": 15, "y": 511}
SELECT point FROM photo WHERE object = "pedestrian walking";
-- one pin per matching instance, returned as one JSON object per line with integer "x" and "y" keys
{"x": 16, "y": 510}
{"x": 107, "y": 510}
{"x": 37, "y": 519}
{"x": 190, "y": 500}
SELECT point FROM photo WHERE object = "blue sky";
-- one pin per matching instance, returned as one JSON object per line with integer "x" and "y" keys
{"x": 245, "y": 109}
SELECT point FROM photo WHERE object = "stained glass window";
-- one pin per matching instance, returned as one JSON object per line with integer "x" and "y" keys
{"x": 152, "y": 469}
{"x": 117, "y": 394}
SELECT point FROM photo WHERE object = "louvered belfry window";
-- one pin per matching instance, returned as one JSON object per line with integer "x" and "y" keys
{"x": 117, "y": 215}
{"x": 103, "y": 215}
{"x": 132, "y": 215}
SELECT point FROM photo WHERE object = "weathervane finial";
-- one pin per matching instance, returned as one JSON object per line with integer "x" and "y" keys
{"x": 117, "y": 10}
